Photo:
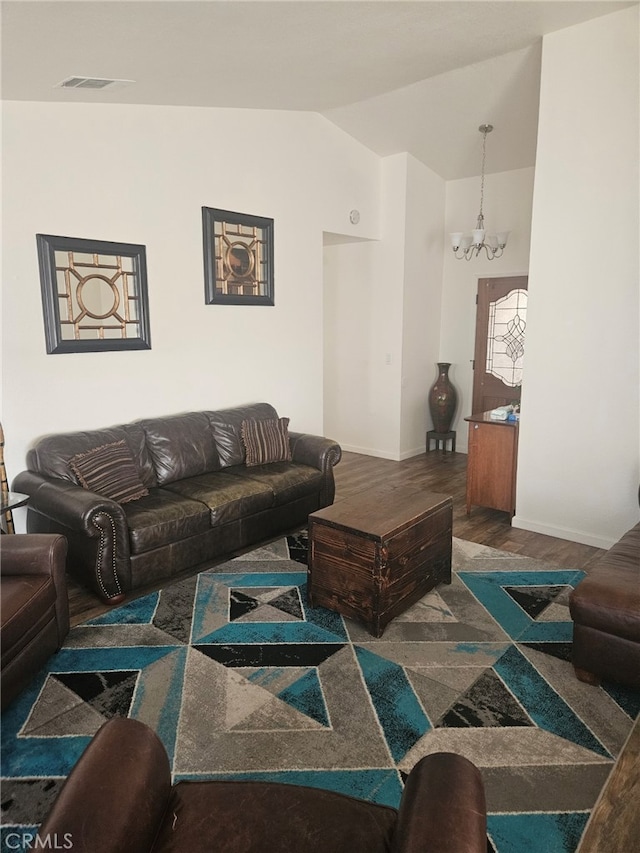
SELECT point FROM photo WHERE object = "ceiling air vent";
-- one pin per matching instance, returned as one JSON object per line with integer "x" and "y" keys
{"x": 91, "y": 83}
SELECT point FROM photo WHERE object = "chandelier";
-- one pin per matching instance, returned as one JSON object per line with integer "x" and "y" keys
{"x": 470, "y": 245}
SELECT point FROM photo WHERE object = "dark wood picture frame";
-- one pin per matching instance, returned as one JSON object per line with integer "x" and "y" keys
{"x": 238, "y": 258}
{"x": 75, "y": 319}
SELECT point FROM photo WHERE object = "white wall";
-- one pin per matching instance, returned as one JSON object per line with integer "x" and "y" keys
{"x": 348, "y": 407}
{"x": 141, "y": 175}
{"x": 579, "y": 458}
{"x": 366, "y": 284}
{"x": 507, "y": 206}
{"x": 382, "y": 318}
{"x": 422, "y": 302}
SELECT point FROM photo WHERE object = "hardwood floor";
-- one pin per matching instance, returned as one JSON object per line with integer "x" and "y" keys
{"x": 434, "y": 472}
{"x": 447, "y": 473}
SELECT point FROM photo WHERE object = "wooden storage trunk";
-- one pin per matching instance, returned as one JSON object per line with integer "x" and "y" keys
{"x": 375, "y": 554}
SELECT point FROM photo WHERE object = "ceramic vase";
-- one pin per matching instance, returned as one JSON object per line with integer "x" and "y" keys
{"x": 443, "y": 398}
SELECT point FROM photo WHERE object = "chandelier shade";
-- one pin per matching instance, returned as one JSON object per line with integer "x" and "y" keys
{"x": 469, "y": 245}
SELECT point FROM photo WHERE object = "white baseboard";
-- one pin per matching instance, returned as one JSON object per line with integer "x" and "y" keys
{"x": 370, "y": 451}
{"x": 409, "y": 454}
{"x": 562, "y": 533}
{"x": 386, "y": 454}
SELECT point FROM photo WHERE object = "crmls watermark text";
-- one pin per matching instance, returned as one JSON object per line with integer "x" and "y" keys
{"x": 29, "y": 841}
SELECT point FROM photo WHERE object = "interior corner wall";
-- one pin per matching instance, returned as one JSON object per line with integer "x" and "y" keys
{"x": 578, "y": 465}
{"x": 348, "y": 407}
{"x": 422, "y": 301}
{"x": 141, "y": 175}
{"x": 382, "y": 318}
{"x": 363, "y": 329}
{"x": 507, "y": 206}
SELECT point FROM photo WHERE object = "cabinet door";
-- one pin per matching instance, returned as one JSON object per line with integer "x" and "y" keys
{"x": 491, "y": 466}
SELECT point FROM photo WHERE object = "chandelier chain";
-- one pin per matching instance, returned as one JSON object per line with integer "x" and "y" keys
{"x": 484, "y": 154}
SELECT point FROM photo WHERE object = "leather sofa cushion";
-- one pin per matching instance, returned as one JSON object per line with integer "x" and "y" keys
{"x": 27, "y": 603}
{"x": 286, "y": 480}
{"x": 163, "y": 517}
{"x": 608, "y": 599}
{"x": 226, "y": 425}
{"x": 52, "y": 454}
{"x": 181, "y": 446}
{"x": 227, "y": 497}
{"x": 254, "y": 817}
{"x": 625, "y": 553}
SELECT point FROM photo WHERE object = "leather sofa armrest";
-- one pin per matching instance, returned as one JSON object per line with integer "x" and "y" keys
{"x": 317, "y": 452}
{"x": 61, "y": 506}
{"x": 40, "y": 554}
{"x": 64, "y": 502}
{"x": 114, "y": 799}
{"x": 443, "y": 807}
{"x": 314, "y": 450}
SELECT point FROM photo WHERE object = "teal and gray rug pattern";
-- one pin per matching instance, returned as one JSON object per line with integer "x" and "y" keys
{"x": 242, "y": 679}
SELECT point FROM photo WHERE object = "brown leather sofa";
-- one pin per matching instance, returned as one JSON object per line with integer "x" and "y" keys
{"x": 202, "y": 502}
{"x": 119, "y": 799}
{"x": 605, "y": 608}
{"x": 34, "y": 606}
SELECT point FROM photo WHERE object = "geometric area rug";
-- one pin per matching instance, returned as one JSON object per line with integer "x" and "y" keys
{"x": 241, "y": 678}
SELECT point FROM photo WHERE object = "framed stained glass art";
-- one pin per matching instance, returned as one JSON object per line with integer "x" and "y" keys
{"x": 238, "y": 258}
{"x": 94, "y": 294}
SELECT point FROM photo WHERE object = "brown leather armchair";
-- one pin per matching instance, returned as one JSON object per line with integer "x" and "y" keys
{"x": 119, "y": 799}
{"x": 34, "y": 613}
{"x": 605, "y": 608}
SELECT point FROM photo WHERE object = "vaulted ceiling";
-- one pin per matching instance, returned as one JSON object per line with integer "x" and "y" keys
{"x": 415, "y": 76}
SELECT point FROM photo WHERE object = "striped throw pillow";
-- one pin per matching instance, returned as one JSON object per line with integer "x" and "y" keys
{"x": 110, "y": 471}
{"x": 266, "y": 441}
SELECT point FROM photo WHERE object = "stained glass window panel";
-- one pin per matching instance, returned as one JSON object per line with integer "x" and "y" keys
{"x": 505, "y": 337}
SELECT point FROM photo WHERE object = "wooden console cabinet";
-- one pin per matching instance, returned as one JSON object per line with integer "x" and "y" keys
{"x": 492, "y": 462}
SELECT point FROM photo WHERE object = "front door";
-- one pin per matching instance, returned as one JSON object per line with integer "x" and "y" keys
{"x": 501, "y": 319}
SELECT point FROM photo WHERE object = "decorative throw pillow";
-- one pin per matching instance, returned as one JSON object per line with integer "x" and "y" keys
{"x": 266, "y": 441}
{"x": 109, "y": 470}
